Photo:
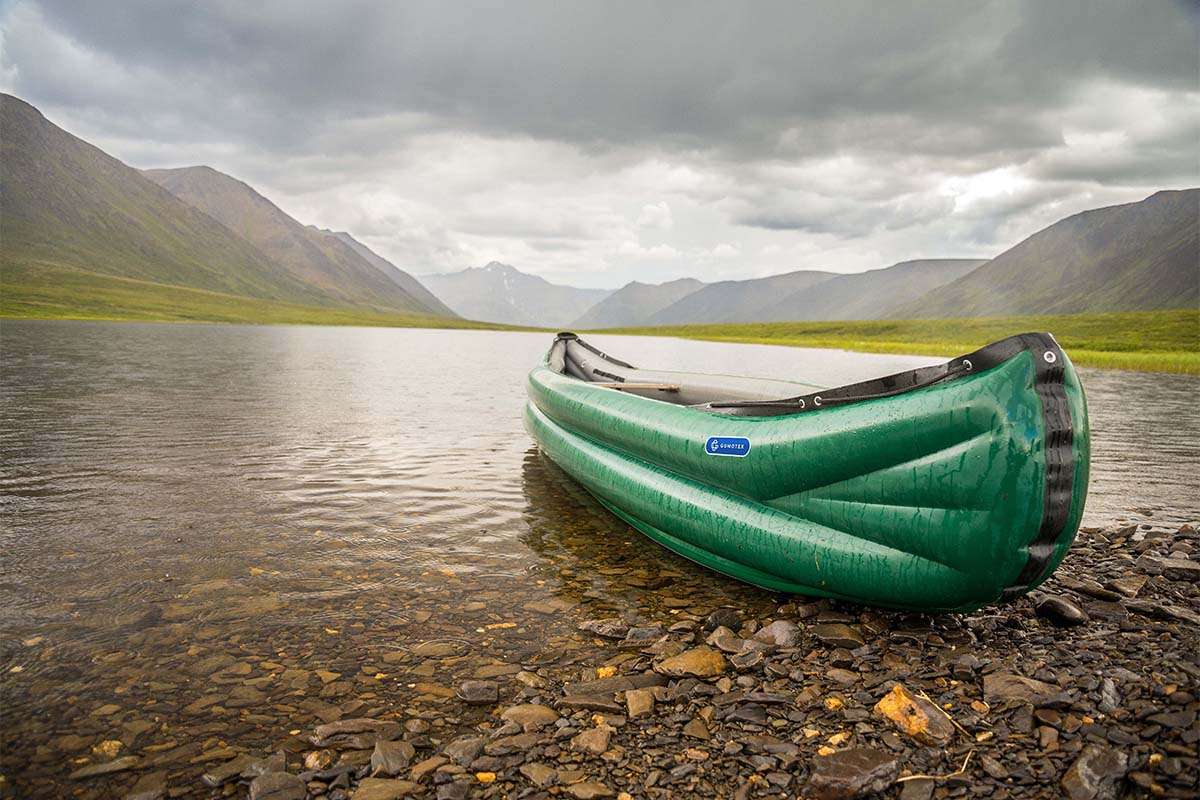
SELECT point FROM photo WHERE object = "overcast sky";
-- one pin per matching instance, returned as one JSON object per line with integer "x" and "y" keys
{"x": 596, "y": 143}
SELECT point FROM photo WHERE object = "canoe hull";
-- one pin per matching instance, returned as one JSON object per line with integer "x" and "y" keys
{"x": 948, "y": 497}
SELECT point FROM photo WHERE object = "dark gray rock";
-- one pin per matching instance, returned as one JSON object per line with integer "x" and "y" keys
{"x": 278, "y": 786}
{"x": 1061, "y": 611}
{"x": 851, "y": 773}
{"x": 1095, "y": 774}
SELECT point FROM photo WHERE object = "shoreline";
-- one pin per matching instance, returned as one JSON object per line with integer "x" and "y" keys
{"x": 1088, "y": 684}
{"x": 1170, "y": 362}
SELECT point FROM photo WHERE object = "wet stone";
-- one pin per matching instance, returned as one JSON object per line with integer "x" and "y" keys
{"x": 530, "y": 716}
{"x": 836, "y": 634}
{"x": 588, "y": 790}
{"x": 383, "y": 789}
{"x": 605, "y": 628}
{"x": 479, "y": 692}
{"x": 107, "y": 768}
{"x": 915, "y": 716}
{"x": 700, "y": 662}
{"x": 1095, "y": 774}
{"x": 391, "y": 758}
{"x": 639, "y": 702}
{"x": 1061, "y": 612}
{"x": 851, "y": 773}
{"x": 1000, "y": 686}
{"x": 278, "y": 786}
{"x": 539, "y": 774}
{"x": 463, "y": 751}
{"x": 151, "y": 786}
{"x": 594, "y": 740}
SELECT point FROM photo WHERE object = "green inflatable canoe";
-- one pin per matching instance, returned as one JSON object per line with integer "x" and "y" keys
{"x": 943, "y": 488}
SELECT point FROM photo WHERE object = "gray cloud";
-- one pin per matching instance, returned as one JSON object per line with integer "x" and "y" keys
{"x": 449, "y": 132}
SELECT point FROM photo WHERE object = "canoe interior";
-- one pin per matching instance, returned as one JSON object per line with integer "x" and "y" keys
{"x": 570, "y": 355}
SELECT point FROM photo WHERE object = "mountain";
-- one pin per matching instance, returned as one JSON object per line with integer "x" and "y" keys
{"x": 868, "y": 295}
{"x": 635, "y": 302}
{"x": 736, "y": 301}
{"x": 499, "y": 293}
{"x": 68, "y": 208}
{"x": 1134, "y": 257}
{"x": 401, "y": 278}
{"x": 314, "y": 257}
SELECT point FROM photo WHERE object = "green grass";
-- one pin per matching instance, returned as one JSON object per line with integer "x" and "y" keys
{"x": 49, "y": 291}
{"x": 1150, "y": 341}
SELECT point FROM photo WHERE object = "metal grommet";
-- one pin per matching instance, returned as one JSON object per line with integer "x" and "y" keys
{"x": 802, "y": 402}
{"x": 817, "y": 400}
{"x": 1049, "y": 356}
{"x": 967, "y": 364}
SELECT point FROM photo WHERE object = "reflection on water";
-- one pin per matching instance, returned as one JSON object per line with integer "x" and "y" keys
{"x": 177, "y": 499}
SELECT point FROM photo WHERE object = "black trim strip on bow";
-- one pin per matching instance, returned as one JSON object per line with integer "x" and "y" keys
{"x": 888, "y": 385}
{"x": 1049, "y": 375}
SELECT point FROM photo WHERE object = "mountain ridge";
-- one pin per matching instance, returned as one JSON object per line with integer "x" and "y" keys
{"x": 635, "y": 301}
{"x": 309, "y": 254}
{"x": 498, "y": 292}
{"x": 1136, "y": 256}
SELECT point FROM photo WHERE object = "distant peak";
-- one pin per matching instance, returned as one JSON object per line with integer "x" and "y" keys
{"x": 496, "y": 266}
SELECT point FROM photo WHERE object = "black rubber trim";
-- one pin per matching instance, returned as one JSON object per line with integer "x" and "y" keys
{"x": 888, "y": 386}
{"x": 1059, "y": 455}
{"x": 568, "y": 336}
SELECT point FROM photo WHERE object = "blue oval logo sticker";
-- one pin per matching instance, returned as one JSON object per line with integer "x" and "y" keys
{"x": 736, "y": 446}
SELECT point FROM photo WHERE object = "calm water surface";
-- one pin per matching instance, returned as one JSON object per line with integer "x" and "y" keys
{"x": 321, "y": 497}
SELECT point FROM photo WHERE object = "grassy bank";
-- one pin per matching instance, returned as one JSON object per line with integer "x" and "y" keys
{"x": 1152, "y": 341}
{"x": 55, "y": 292}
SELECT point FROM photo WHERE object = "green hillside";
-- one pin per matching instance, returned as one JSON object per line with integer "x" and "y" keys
{"x": 1133, "y": 257}
{"x": 67, "y": 203}
{"x": 53, "y": 291}
{"x": 312, "y": 256}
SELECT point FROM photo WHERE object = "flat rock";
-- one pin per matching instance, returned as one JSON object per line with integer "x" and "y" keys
{"x": 591, "y": 703}
{"x": 391, "y": 758}
{"x": 151, "y": 786}
{"x": 587, "y": 790}
{"x": 278, "y": 786}
{"x": 613, "y": 628}
{"x": 617, "y": 683}
{"x": 915, "y": 716}
{"x": 383, "y": 789}
{"x": 1180, "y": 569}
{"x": 436, "y": 649}
{"x": 530, "y": 716}
{"x": 699, "y": 662}
{"x": 1060, "y": 611}
{"x": 639, "y": 702}
{"x": 593, "y": 740}
{"x": 539, "y": 773}
{"x": 350, "y": 726}
{"x": 423, "y": 768}
{"x": 224, "y": 773}
{"x": 780, "y": 633}
{"x": 464, "y": 750}
{"x": 851, "y": 773}
{"x": 836, "y": 634}
{"x": 1095, "y": 774}
{"x": 479, "y": 693}
{"x": 107, "y": 768}
{"x": 1000, "y": 686}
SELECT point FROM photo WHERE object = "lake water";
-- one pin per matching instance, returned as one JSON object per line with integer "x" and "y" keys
{"x": 178, "y": 501}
